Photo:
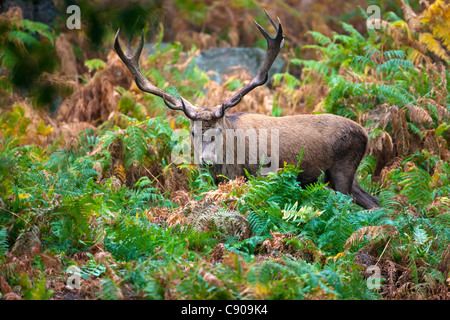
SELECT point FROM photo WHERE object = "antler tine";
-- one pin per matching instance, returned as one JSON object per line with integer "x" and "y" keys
{"x": 132, "y": 63}
{"x": 126, "y": 57}
{"x": 272, "y": 22}
{"x": 118, "y": 49}
{"x": 273, "y": 48}
{"x": 187, "y": 111}
{"x": 264, "y": 32}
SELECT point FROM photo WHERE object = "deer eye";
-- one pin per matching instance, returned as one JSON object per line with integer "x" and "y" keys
{"x": 192, "y": 133}
{"x": 213, "y": 138}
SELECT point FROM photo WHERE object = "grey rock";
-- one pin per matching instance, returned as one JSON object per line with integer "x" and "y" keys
{"x": 43, "y": 11}
{"x": 149, "y": 48}
{"x": 220, "y": 60}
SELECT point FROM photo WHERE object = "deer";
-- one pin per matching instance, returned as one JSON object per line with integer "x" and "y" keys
{"x": 332, "y": 146}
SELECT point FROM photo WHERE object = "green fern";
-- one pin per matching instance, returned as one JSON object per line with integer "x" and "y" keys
{"x": 3, "y": 242}
{"x": 320, "y": 38}
{"x": 135, "y": 143}
{"x": 36, "y": 291}
{"x": 416, "y": 185}
{"x": 71, "y": 228}
{"x": 38, "y": 27}
{"x": 246, "y": 246}
{"x": 95, "y": 64}
{"x": 110, "y": 290}
{"x": 18, "y": 42}
{"x": 420, "y": 235}
{"x": 259, "y": 222}
{"x": 353, "y": 32}
{"x": 92, "y": 268}
{"x": 24, "y": 37}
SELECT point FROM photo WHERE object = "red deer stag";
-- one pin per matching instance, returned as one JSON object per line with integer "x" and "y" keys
{"x": 332, "y": 145}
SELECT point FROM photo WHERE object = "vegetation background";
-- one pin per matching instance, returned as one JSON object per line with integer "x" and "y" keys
{"x": 88, "y": 188}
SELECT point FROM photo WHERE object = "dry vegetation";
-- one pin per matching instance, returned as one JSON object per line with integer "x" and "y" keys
{"x": 92, "y": 183}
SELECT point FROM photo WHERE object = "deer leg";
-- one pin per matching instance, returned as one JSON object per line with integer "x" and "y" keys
{"x": 340, "y": 181}
{"x": 308, "y": 177}
{"x": 362, "y": 197}
{"x": 343, "y": 179}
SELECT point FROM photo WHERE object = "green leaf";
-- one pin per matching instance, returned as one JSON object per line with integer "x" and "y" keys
{"x": 420, "y": 235}
{"x": 95, "y": 64}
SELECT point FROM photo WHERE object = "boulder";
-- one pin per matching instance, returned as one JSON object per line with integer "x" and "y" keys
{"x": 220, "y": 60}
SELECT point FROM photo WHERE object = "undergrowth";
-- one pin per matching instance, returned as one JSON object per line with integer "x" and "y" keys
{"x": 137, "y": 225}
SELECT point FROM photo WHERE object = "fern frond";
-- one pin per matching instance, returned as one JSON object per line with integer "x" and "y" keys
{"x": 418, "y": 57}
{"x": 394, "y": 64}
{"x": 258, "y": 222}
{"x": 436, "y": 16}
{"x": 135, "y": 143}
{"x": 419, "y": 115}
{"x": 353, "y": 32}
{"x": 392, "y": 93}
{"x": 3, "y": 242}
{"x": 299, "y": 215}
{"x": 110, "y": 290}
{"x": 371, "y": 51}
{"x": 433, "y": 45}
{"x": 416, "y": 185}
{"x": 395, "y": 54}
{"x": 372, "y": 234}
{"x": 24, "y": 37}
{"x": 246, "y": 246}
{"x": 39, "y": 27}
{"x": 226, "y": 223}
{"x": 367, "y": 165}
{"x": 320, "y": 38}
{"x": 347, "y": 41}
{"x": 361, "y": 63}
{"x": 420, "y": 235}
{"x": 8, "y": 58}
{"x": 318, "y": 67}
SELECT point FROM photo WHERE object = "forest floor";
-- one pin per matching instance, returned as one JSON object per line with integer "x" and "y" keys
{"x": 94, "y": 204}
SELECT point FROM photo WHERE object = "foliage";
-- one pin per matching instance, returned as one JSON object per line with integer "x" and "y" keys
{"x": 34, "y": 292}
{"x": 3, "y": 242}
{"x": 95, "y": 64}
{"x": 140, "y": 226}
{"x": 21, "y": 39}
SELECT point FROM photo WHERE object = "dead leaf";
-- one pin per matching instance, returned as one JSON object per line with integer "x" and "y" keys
{"x": 211, "y": 279}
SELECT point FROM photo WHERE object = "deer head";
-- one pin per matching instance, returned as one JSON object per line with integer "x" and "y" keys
{"x": 211, "y": 119}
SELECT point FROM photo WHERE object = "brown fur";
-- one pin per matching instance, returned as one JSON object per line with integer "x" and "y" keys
{"x": 332, "y": 144}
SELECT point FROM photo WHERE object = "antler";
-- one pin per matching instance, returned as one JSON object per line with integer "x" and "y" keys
{"x": 144, "y": 84}
{"x": 273, "y": 48}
